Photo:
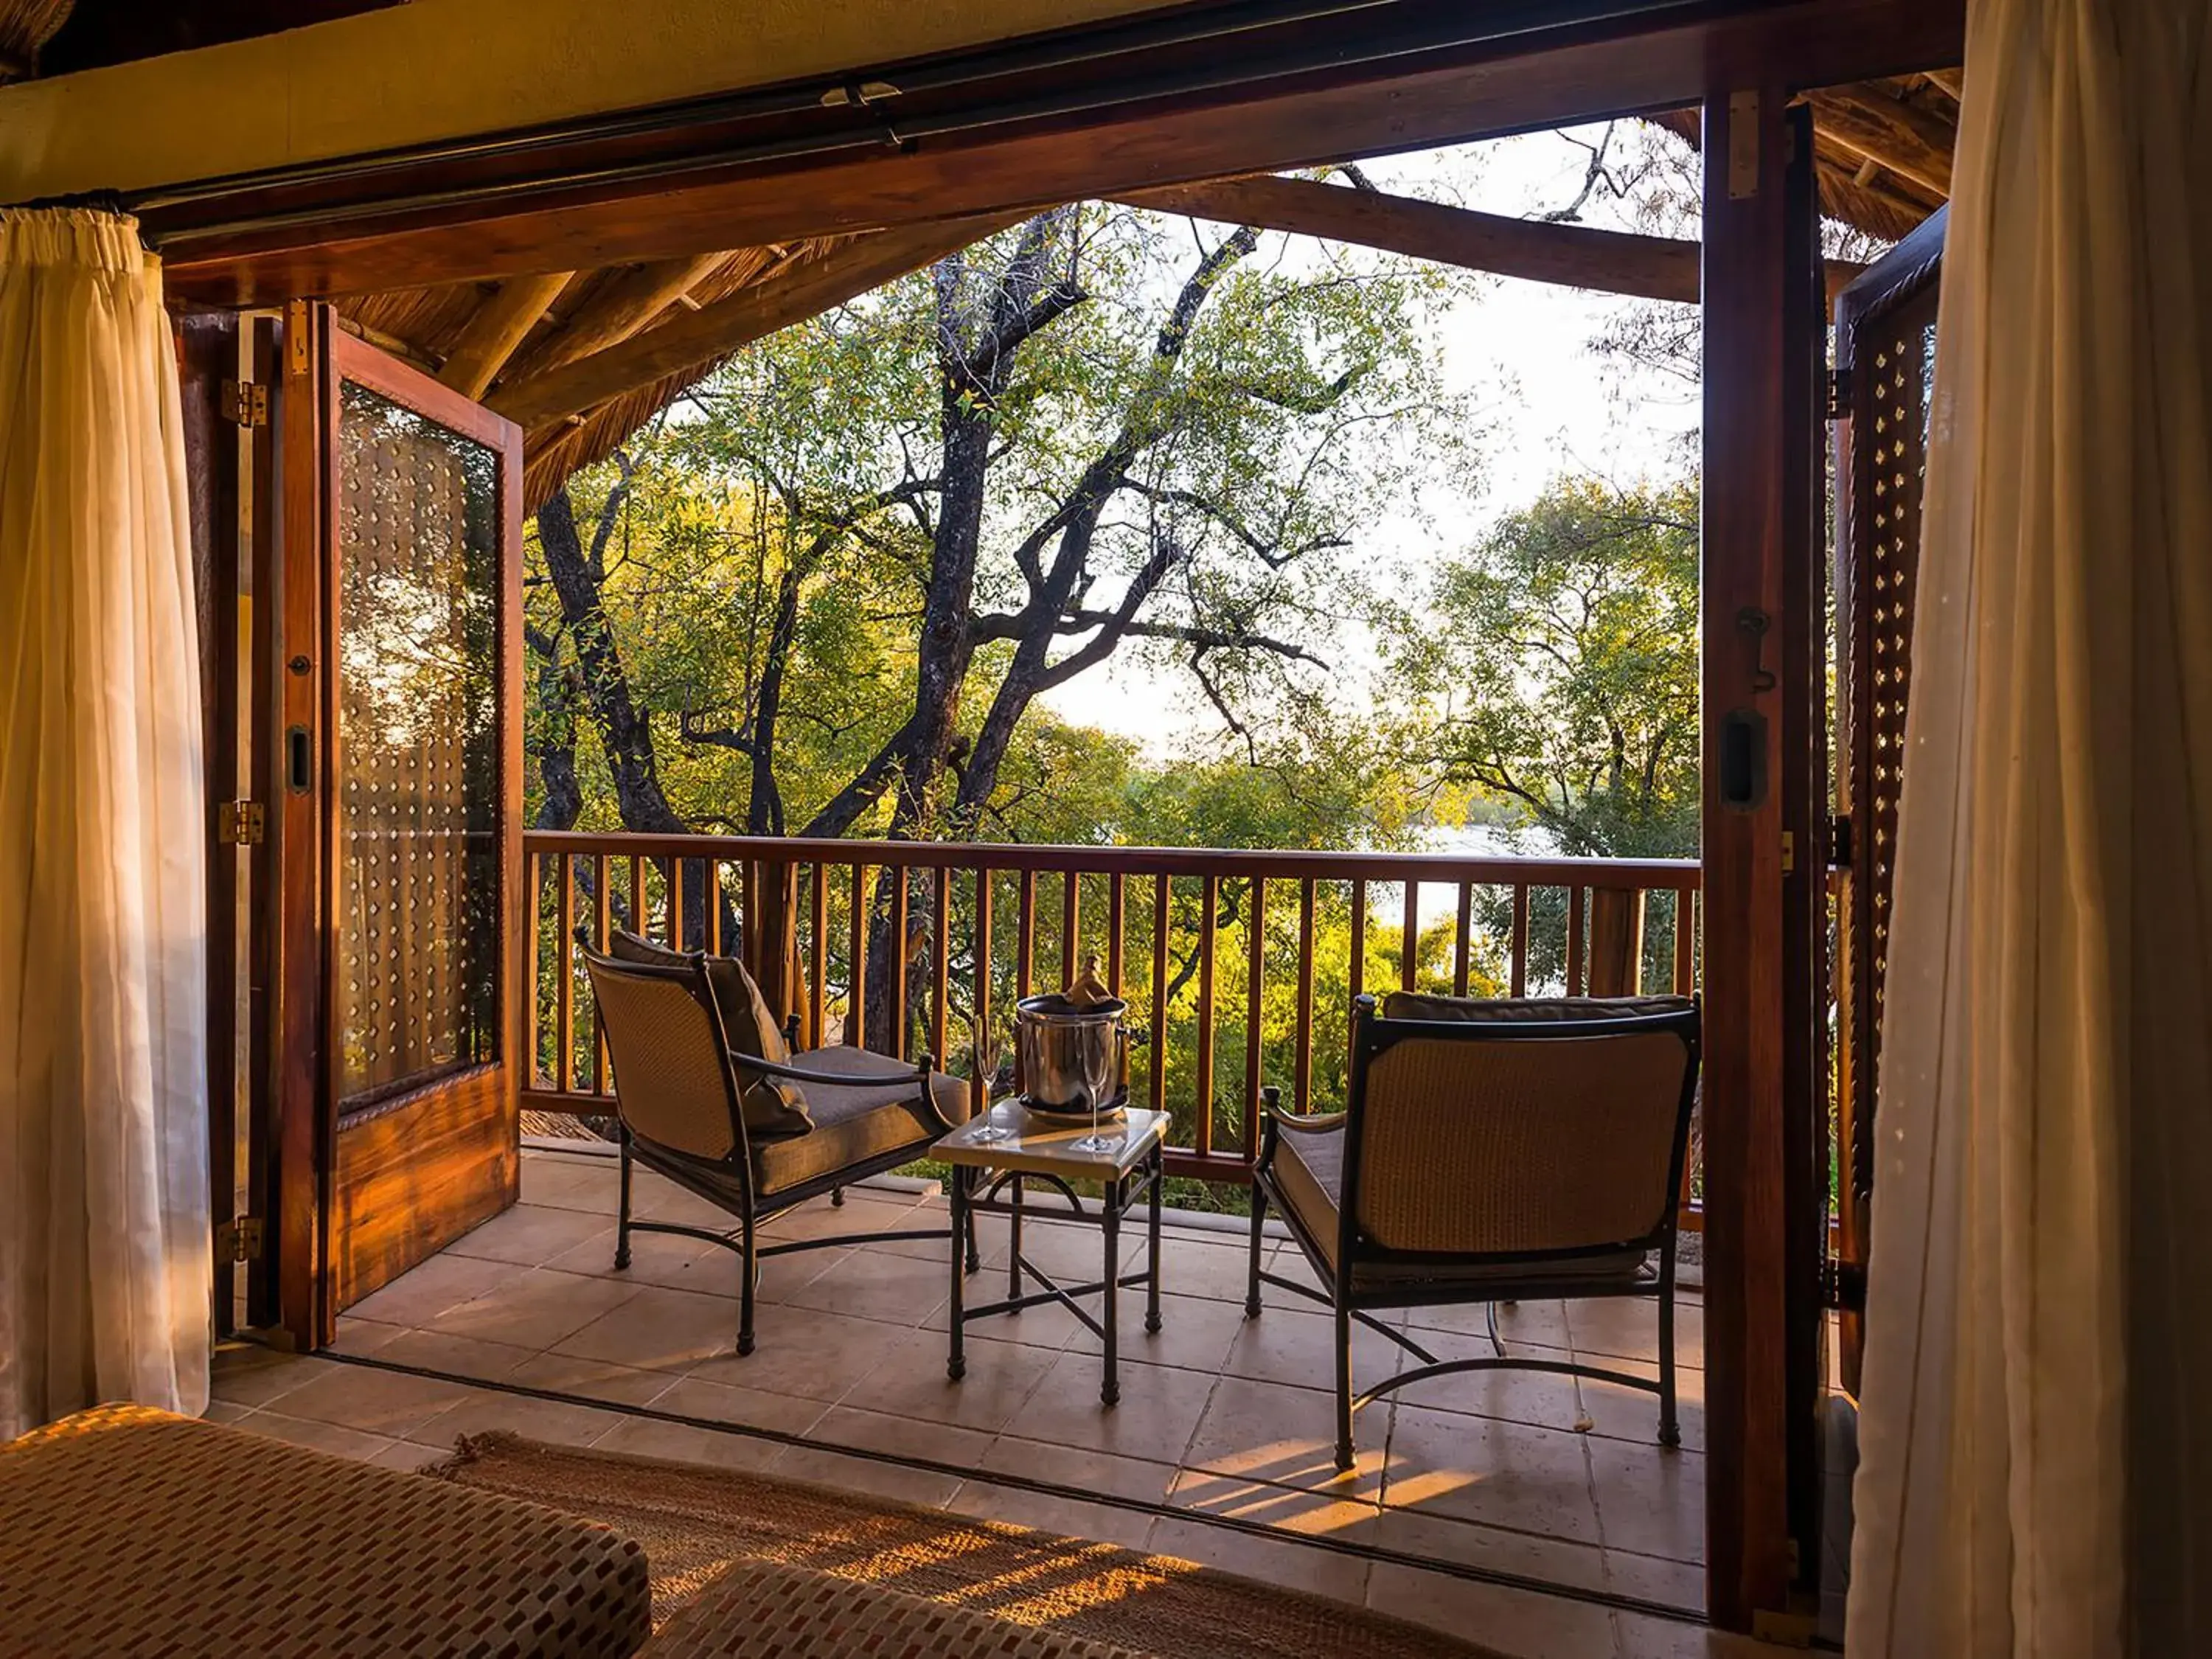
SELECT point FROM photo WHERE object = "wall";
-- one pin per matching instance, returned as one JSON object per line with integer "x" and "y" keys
{"x": 437, "y": 69}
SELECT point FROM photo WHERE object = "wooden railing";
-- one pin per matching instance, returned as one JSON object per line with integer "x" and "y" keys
{"x": 1199, "y": 941}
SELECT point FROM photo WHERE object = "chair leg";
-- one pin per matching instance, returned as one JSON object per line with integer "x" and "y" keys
{"x": 1670, "y": 1426}
{"x": 1259, "y": 1220}
{"x": 749, "y": 1271}
{"x": 622, "y": 1212}
{"x": 1343, "y": 1387}
{"x": 836, "y": 1198}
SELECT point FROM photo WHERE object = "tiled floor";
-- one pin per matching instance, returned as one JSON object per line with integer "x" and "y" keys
{"x": 1545, "y": 1477}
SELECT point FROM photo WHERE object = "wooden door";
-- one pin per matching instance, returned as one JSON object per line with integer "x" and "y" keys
{"x": 1886, "y": 360}
{"x": 402, "y": 763}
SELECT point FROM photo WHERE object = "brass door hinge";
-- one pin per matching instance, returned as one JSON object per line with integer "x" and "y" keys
{"x": 239, "y": 1241}
{"x": 241, "y": 823}
{"x": 244, "y": 402}
{"x": 1839, "y": 394}
{"x": 1788, "y": 852}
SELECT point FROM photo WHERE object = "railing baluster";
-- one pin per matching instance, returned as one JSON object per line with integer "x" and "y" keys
{"x": 940, "y": 948}
{"x": 1203, "y": 1126}
{"x": 564, "y": 1000}
{"x": 1461, "y": 940}
{"x": 602, "y": 925}
{"x": 1256, "y": 924}
{"x": 1409, "y": 946}
{"x": 1686, "y": 942}
{"x": 638, "y": 925}
{"x": 980, "y": 1064}
{"x": 1574, "y": 941}
{"x": 900, "y": 962}
{"x": 856, "y": 994}
{"x": 675, "y": 904}
{"x": 713, "y": 872}
{"x": 534, "y": 874}
{"x": 1302, "y": 1095}
{"x": 817, "y": 945}
{"x": 1025, "y": 937}
{"x": 1358, "y": 938}
{"x": 1162, "y": 887}
{"x": 1520, "y": 967}
{"x": 1116, "y": 920}
{"x": 1070, "y": 927}
{"x": 1643, "y": 931}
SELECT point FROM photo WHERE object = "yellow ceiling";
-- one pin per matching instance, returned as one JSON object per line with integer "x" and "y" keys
{"x": 442, "y": 69}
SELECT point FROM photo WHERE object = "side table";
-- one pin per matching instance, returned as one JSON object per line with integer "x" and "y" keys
{"x": 1042, "y": 1152}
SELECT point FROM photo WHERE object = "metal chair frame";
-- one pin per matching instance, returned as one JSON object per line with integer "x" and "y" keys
{"x": 1373, "y": 1036}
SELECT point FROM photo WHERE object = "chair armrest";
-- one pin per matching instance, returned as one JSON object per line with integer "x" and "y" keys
{"x": 1272, "y": 1117}
{"x": 830, "y": 1080}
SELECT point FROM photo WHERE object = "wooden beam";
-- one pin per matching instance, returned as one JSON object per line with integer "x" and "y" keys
{"x": 699, "y": 337}
{"x": 489, "y": 338}
{"x": 619, "y": 310}
{"x": 214, "y": 252}
{"x": 1750, "y": 530}
{"x": 1952, "y": 81}
{"x": 1902, "y": 137}
{"x": 1574, "y": 255}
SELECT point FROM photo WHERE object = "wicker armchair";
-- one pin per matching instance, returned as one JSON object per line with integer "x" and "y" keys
{"x": 712, "y": 1099}
{"x": 1490, "y": 1152}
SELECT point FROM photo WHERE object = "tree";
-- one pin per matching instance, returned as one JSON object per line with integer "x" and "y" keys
{"x": 990, "y": 478}
{"x": 1559, "y": 668}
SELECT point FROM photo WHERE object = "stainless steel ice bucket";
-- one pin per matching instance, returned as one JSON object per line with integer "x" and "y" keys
{"x": 1070, "y": 1052}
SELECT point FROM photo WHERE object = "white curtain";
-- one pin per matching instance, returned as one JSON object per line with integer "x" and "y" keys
{"x": 2036, "y": 1468}
{"x": 104, "y": 1240}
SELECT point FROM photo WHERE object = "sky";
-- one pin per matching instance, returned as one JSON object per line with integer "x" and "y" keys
{"x": 1553, "y": 405}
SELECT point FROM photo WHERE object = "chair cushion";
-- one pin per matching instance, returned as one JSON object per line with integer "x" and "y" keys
{"x": 1308, "y": 1172}
{"x": 124, "y": 1530}
{"x": 772, "y": 1105}
{"x": 765, "y": 1610}
{"x": 877, "y": 1113}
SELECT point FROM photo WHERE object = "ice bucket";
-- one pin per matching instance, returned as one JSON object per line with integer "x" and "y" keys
{"x": 1070, "y": 1052}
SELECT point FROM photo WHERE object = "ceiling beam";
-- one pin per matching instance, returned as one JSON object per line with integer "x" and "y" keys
{"x": 1611, "y": 261}
{"x": 698, "y": 338}
{"x": 489, "y": 338}
{"x": 619, "y": 310}
{"x": 1909, "y": 141}
{"x": 1573, "y": 255}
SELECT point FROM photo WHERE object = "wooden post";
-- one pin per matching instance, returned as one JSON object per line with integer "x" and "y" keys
{"x": 1616, "y": 940}
{"x": 1756, "y": 519}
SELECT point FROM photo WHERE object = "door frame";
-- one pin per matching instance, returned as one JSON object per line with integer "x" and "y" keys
{"x": 324, "y": 1157}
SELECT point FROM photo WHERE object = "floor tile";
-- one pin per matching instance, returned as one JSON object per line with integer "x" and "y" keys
{"x": 483, "y": 1411}
{"x": 1159, "y": 1409}
{"x": 1308, "y": 1514}
{"x": 876, "y": 1285}
{"x": 1490, "y": 1549}
{"x": 462, "y": 1356}
{"x": 412, "y": 1456}
{"x": 901, "y": 1437}
{"x": 437, "y": 1287}
{"x": 1476, "y": 1468}
{"x": 1650, "y": 1500}
{"x": 530, "y": 1235}
{"x": 1627, "y": 1328}
{"x": 1543, "y": 1324}
{"x": 722, "y": 1403}
{"x": 861, "y": 1213}
{"x": 1265, "y": 1432}
{"x": 1643, "y": 1636}
{"x": 1621, "y": 1412}
{"x": 658, "y": 1329}
{"x": 911, "y": 1382}
{"x": 536, "y": 1309}
{"x": 571, "y": 1183}
{"x": 245, "y": 1375}
{"x": 1079, "y": 1466}
{"x": 805, "y": 1351}
{"x": 863, "y": 1474}
{"x": 594, "y": 1379}
{"x": 1525, "y": 1624}
{"x": 223, "y": 1410}
{"x": 1196, "y": 1332}
{"x": 364, "y": 1336}
{"x": 1288, "y": 1345}
{"x": 1654, "y": 1578}
{"x": 320, "y": 1436}
{"x": 1548, "y": 1400}
{"x": 388, "y": 1404}
{"x": 681, "y": 1442}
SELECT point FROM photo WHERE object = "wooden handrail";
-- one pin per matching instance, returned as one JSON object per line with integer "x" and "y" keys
{"x": 875, "y": 953}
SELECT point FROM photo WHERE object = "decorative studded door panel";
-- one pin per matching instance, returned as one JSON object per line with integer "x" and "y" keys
{"x": 413, "y": 542}
{"x": 1886, "y": 355}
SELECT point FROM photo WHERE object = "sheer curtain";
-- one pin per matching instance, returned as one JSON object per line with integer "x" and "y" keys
{"x": 104, "y": 1242}
{"x": 2036, "y": 1464}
